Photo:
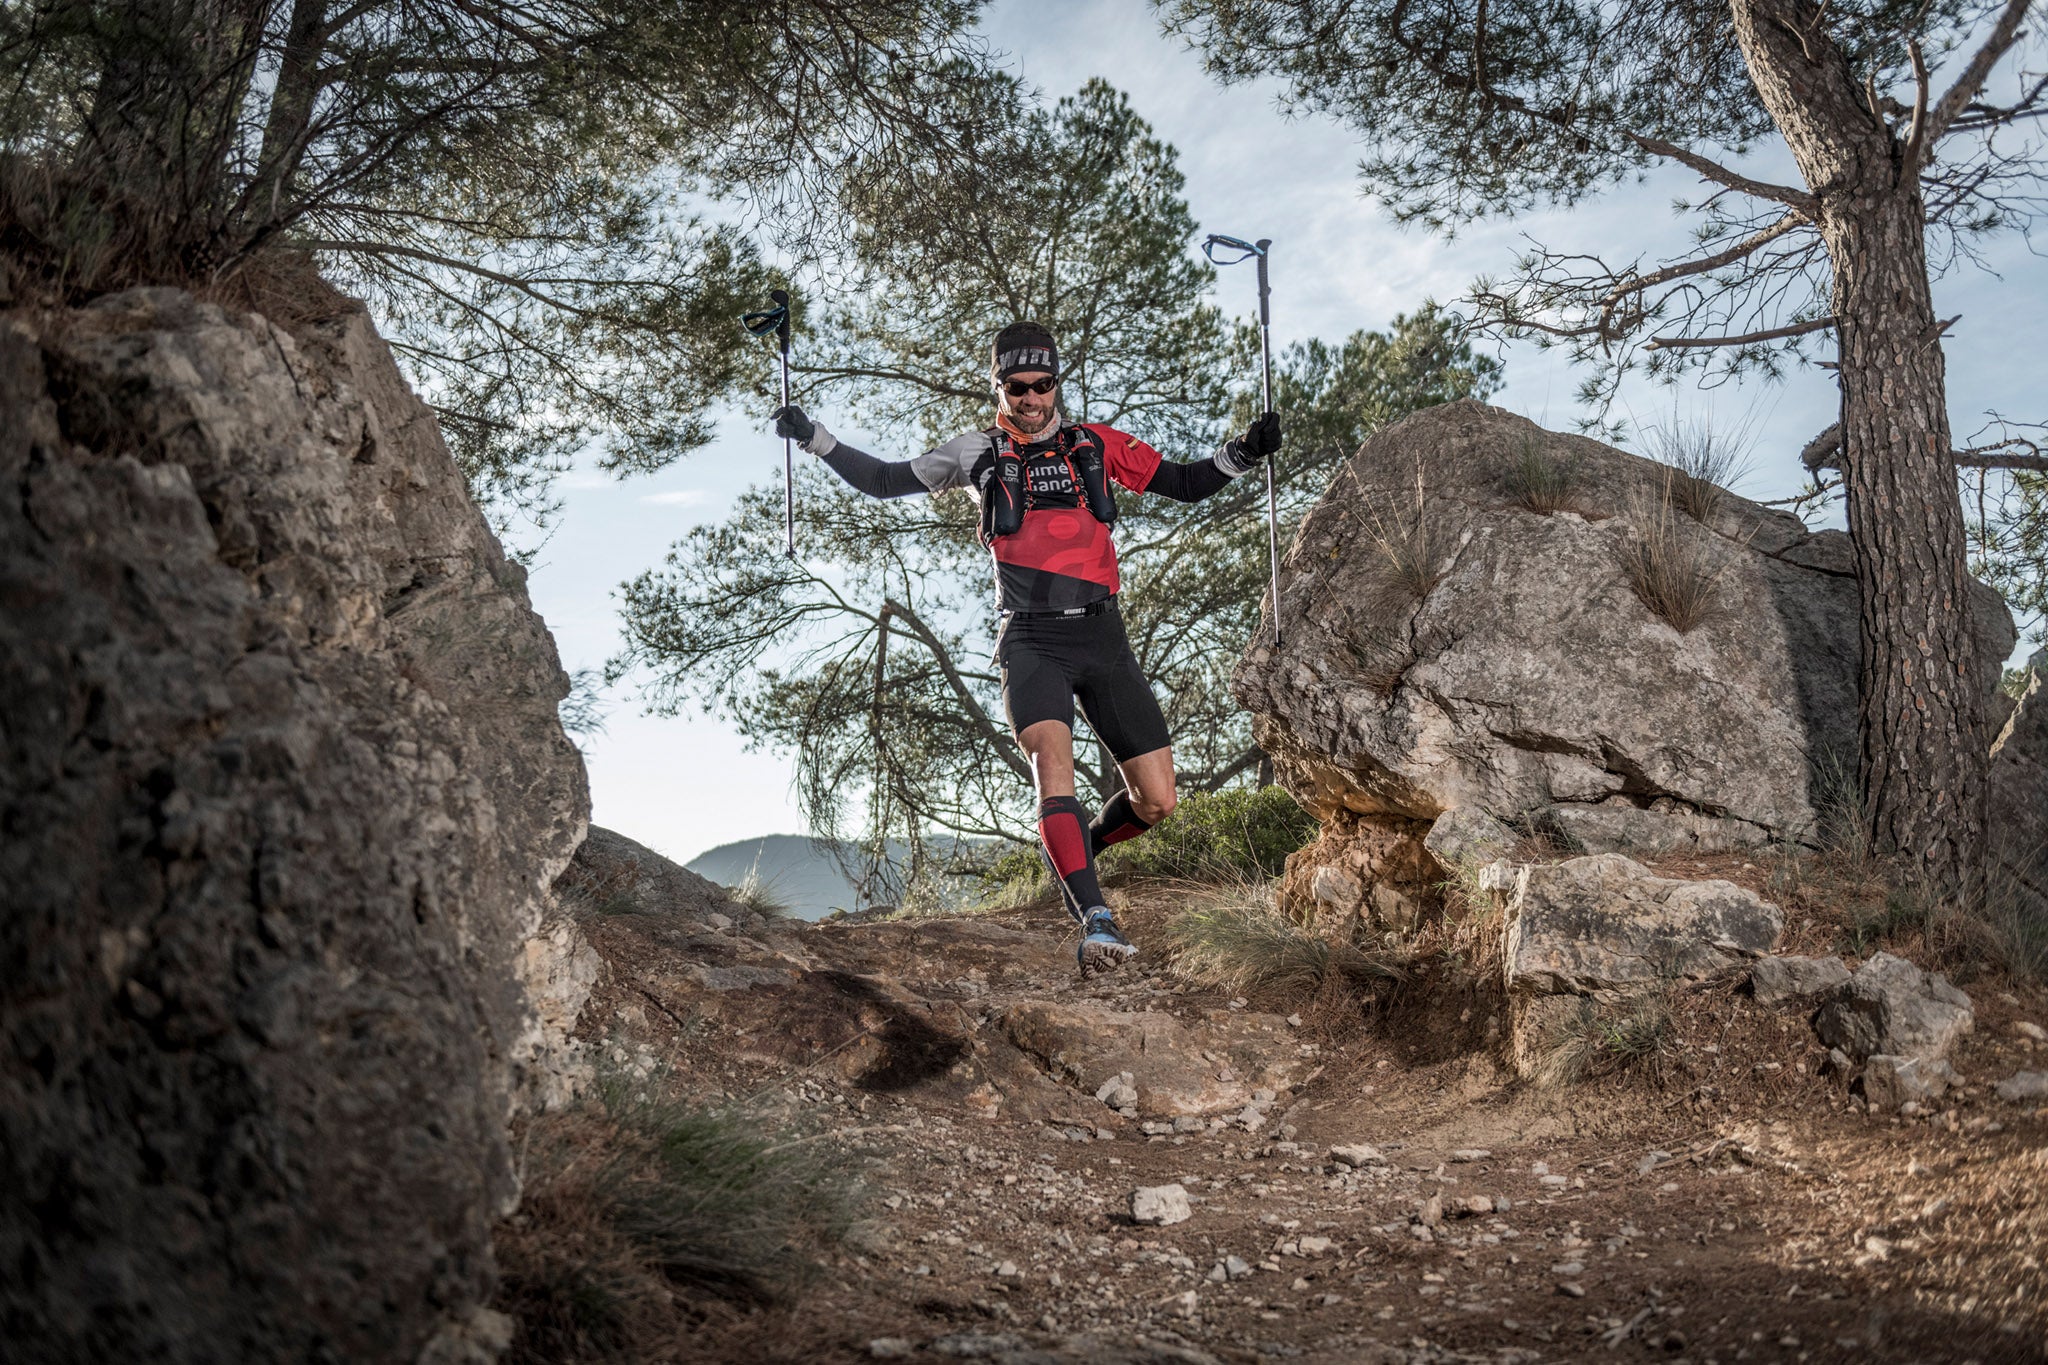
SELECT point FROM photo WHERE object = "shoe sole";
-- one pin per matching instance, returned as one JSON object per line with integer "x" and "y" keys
{"x": 1099, "y": 958}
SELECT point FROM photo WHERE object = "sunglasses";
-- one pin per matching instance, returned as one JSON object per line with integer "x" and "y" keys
{"x": 1017, "y": 388}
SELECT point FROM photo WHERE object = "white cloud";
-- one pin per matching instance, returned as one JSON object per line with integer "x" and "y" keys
{"x": 677, "y": 497}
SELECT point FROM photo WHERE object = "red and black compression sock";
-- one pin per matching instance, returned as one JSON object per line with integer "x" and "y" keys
{"x": 1063, "y": 828}
{"x": 1117, "y": 823}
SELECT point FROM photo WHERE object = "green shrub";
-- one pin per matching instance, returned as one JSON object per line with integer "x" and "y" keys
{"x": 1231, "y": 835}
{"x": 1243, "y": 832}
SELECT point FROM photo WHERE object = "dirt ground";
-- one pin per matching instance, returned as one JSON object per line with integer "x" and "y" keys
{"x": 1718, "y": 1200}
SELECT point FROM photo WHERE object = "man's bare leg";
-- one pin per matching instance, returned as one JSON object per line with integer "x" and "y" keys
{"x": 1148, "y": 797}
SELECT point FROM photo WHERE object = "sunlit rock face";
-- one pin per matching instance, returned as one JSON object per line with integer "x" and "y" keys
{"x": 1450, "y": 645}
{"x": 284, "y": 793}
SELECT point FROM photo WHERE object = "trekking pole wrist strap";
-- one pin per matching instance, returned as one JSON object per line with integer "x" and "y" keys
{"x": 822, "y": 442}
{"x": 1234, "y": 460}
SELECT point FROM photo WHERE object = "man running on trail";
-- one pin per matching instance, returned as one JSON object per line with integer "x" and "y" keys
{"x": 1046, "y": 512}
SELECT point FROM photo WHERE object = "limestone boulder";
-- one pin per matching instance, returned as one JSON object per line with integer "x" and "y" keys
{"x": 1607, "y": 924}
{"x": 2019, "y": 803}
{"x": 1450, "y": 648}
{"x": 1891, "y": 1007}
{"x": 284, "y": 793}
{"x": 1782, "y": 982}
{"x": 1467, "y": 839}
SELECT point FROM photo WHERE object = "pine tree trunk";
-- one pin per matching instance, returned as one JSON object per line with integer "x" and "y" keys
{"x": 1922, "y": 753}
{"x": 1923, "y": 758}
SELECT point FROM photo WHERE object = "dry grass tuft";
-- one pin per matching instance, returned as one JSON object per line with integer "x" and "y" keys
{"x": 640, "y": 1216}
{"x": 1542, "y": 482}
{"x": 1703, "y": 463}
{"x": 758, "y": 894}
{"x": 1674, "y": 569}
{"x": 1604, "y": 1039}
{"x": 1233, "y": 939}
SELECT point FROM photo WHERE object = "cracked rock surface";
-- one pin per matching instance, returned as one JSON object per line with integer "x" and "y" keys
{"x": 1530, "y": 680}
{"x": 284, "y": 793}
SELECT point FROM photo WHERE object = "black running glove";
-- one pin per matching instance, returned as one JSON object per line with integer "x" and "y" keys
{"x": 791, "y": 424}
{"x": 1261, "y": 441}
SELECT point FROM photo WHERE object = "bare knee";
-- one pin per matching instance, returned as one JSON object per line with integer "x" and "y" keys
{"x": 1152, "y": 809}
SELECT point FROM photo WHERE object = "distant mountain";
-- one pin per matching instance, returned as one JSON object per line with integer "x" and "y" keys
{"x": 795, "y": 869}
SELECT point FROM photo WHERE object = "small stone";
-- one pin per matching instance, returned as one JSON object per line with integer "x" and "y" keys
{"x": 1571, "y": 1290}
{"x": 1466, "y": 1155}
{"x": 1219, "y": 1273}
{"x": 1237, "y": 1268}
{"x": 1357, "y": 1154}
{"x": 1316, "y": 1246}
{"x": 1189, "y": 1123}
{"x": 1294, "y": 1021}
{"x": 1476, "y": 1204}
{"x": 2024, "y": 1085}
{"x": 1186, "y": 1304}
{"x": 1160, "y": 1205}
{"x": 1263, "y": 1097}
{"x": 1553, "y": 1182}
{"x": 892, "y": 1348}
{"x": 2031, "y": 1030}
{"x": 1431, "y": 1212}
{"x": 1007, "y": 1270}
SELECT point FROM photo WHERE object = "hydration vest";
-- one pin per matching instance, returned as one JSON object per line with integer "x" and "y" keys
{"x": 1000, "y": 477}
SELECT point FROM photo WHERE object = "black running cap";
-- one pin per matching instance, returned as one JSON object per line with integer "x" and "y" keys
{"x": 1023, "y": 346}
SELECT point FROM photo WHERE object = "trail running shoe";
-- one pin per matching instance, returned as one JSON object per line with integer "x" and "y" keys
{"x": 1103, "y": 946}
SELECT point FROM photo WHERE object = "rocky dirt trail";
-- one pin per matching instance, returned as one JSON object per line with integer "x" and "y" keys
{"x": 1357, "y": 1187}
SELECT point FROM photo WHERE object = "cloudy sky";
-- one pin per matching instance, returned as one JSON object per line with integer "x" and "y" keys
{"x": 682, "y": 785}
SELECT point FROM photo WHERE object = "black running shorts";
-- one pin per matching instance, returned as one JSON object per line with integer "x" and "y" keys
{"x": 1050, "y": 662}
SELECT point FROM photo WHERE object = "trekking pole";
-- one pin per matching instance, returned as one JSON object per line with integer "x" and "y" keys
{"x": 1248, "y": 251}
{"x": 776, "y": 320}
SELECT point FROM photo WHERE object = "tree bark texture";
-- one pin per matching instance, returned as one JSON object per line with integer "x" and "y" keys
{"x": 1923, "y": 761}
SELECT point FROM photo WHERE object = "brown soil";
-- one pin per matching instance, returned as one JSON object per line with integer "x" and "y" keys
{"x": 1718, "y": 1200}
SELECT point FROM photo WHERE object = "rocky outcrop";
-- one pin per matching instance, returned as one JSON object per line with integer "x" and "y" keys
{"x": 284, "y": 793}
{"x": 1780, "y": 982}
{"x": 2019, "y": 804}
{"x": 1605, "y": 923}
{"x": 1891, "y": 1007}
{"x": 1598, "y": 935}
{"x": 1362, "y": 872}
{"x": 1448, "y": 647}
{"x": 1216, "y": 1065}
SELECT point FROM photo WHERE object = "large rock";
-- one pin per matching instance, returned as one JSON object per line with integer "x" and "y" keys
{"x": 2019, "y": 808}
{"x": 1529, "y": 680}
{"x": 1606, "y": 924}
{"x": 1892, "y": 1007}
{"x": 1780, "y": 981}
{"x": 284, "y": 793}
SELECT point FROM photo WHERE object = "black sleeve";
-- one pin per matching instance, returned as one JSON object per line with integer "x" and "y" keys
{"x": 876, "y": 478}
{"x": 1187, "y": 482}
